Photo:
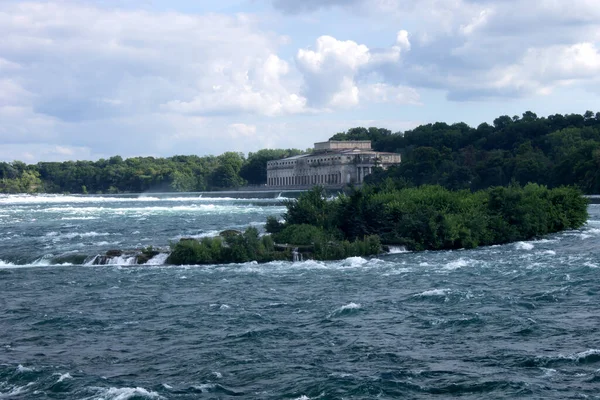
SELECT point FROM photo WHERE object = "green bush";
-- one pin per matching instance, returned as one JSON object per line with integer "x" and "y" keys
{"x": 273, "y": 225}
{"x": 430, "y": 217}
{"x": 248, "y": 246}
{"x": 302, "y": 235}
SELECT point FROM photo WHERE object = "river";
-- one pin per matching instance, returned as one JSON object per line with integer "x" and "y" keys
{"x": 517, "y": 320}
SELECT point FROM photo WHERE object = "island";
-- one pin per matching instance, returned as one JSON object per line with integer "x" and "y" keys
{"x": 366, "y": 221}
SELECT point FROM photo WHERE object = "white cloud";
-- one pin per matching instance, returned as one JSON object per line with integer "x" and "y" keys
{"x": 133, "y": 82}
{"x": 32, "y": 152}
{"x": 335, "y": 70}
{"x": 241, "y": 130}
{"x": 257, "y": 88}
{"x": 82, "y": 56}
{"x": 384, "y": 93}
{"x": 482, "y": 48}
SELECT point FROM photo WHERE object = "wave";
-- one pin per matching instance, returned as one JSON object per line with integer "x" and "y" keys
{"x": 4, "y": 264}
{"x": 62, "y": 377}
{"x": 433, "y": 292}
{"x": 347, "y": 309}
{"x": 196, "y": 208}
{"x": 73, "y": 235}
{"x": 126, "y": 393}
{"x": 354, "y": 262}
{"x": 82, "y": 199}
{"x": 590, "y": 356}
{"x": 524, "y": 246}
{"x": 457, "y": 264}
{"x": 14, "y": 391}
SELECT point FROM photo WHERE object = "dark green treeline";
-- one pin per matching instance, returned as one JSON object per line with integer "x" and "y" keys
{"x": 553, "y": 151}
{"x": 140, "y": 174}
{"x": 431, "y": 217}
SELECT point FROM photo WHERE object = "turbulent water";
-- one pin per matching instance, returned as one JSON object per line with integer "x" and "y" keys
{"x": 518, "y": 320}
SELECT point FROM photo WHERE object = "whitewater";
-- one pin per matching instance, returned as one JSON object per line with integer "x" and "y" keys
{"x": 516, "y": 320}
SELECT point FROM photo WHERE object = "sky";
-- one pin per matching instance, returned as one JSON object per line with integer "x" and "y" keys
{"x": 84, "y": 80}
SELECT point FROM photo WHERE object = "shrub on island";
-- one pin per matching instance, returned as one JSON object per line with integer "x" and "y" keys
{"x": 238, "y": 248}
{"x": 435, "y": 218}
{"x": 424, "y": 218}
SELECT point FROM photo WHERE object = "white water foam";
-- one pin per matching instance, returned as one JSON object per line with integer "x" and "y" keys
{"x": 456, "y": 264}
{"x": 72, "y": 235}
{"x": 345, "y": 309}
{"x": 5, "y": 264}
{"x": 354, "y": 262}
{"x": 584, "y": 354}
{"x": 47, "y": 261}
{"x": 62, "y": 377}
{"x": 121, "y": 260}
{"x": 144, "y": 211}
{"x": 82, "y": 199}
{"x": 15, "y": 391}
{"x": 350, "y": 306}
{"x": 126, "y": 393}
{"x": 433, "y": 292}
{"x": 205, "y": 387}
{"x": 397, "y": 250}
{"x": 21, "y": 369}
{"x": 524, "y": 246}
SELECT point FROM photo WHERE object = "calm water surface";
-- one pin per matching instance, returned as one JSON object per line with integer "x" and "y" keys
{"x": 512, "y": 321}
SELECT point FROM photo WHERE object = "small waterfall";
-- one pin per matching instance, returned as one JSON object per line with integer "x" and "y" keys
{"x": 158, "y": 259}
{"x": 296, "y": 257}
{"x": 121, "y": 260}
{"x": 91, "y": 260}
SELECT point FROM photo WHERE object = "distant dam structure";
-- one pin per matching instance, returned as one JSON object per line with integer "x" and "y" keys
{"x": 262, "y": 192}
{"x": 332, "y": 164}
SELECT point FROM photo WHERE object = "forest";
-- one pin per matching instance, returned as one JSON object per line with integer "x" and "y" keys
{"x": 553, "y": 151}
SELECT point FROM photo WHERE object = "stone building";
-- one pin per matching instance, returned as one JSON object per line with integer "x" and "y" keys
{"x": 333, "y": 163}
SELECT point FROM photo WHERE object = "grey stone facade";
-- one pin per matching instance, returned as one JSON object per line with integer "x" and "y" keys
{"x": 333, "y": 163}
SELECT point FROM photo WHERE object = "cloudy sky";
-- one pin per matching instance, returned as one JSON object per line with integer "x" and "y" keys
{"x": 90, "y": 79}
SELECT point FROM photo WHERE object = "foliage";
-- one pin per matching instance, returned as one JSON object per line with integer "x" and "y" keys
{"x": 301, "y": 234}
{"x": 273, "y": 225}
{"x": 248, "y": 246}
{"x": 553, "y": 151}
{"x": 254, "y": 169}
{"x": 139, "y": 174}
{"x": 336, "y": 250}
{"x": 310, "y": 208}
{"x": 429, "y": 217}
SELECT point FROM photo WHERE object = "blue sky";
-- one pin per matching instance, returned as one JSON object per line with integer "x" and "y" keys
{"x": 91, "y": 79}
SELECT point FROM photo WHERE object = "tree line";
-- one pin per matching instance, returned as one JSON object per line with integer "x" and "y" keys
{"x": 553, "y": 151}
{"x": 140, "y": 174}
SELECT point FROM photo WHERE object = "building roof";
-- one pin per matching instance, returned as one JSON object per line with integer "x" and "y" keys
{"x": 348, "y": 152}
